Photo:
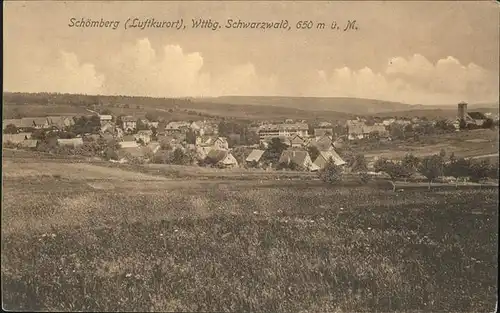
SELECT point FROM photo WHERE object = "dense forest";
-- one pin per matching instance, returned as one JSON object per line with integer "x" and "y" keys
{"x": 20, "y": 98}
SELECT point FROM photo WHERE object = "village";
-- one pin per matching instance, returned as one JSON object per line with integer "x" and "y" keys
{"x": 223, "y": 144}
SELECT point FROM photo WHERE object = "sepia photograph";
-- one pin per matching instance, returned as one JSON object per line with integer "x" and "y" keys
{"x": 250, "y": 156}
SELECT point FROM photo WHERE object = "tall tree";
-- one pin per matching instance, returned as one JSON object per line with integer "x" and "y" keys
{"x": 432, "y": 167}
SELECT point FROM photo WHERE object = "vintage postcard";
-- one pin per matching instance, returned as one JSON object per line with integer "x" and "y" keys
{"x": 250, "y": 156}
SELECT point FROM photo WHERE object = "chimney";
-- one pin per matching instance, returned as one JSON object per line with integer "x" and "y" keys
{"x": 462, "y": 111}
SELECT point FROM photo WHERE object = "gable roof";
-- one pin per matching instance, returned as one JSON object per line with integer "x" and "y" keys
{"x": 59, "y": 120}
{"x": 323, "y": 143}
{"x": 145, "y": 132}
{"x": 297, "y": 156}
{"x": 15, "y": 138}
{"x": 323, "y": 131}
{"x": 477, "y": 116}
{"x": 176, "y": 125}
{"x": 129, "y": 118}
{"x": 72, "y": 141}
{"x": 255, "y": 155}
{"x": 326, "y": 155}
{"x": 217, "y": 155}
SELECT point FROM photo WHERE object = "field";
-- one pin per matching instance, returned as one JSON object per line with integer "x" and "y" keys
{"x": 476, "y": 143}
{"x": 83, "y": 236}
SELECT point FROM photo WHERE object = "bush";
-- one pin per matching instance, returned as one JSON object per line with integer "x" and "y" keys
{"x": 364, "y": 177}
{"x": 331, "y": 173}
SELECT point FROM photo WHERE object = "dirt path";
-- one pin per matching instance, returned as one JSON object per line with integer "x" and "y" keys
{"x": 485, "y": 156}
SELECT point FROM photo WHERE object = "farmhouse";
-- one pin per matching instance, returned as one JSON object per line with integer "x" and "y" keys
{"x": 324, "y": 156}
{"x": 300, "y": 158}
{"x": 70, "y": 142}
{"x": 222, "y": 158}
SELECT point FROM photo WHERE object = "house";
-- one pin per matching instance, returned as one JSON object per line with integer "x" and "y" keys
{"x": 222, "y": 158}
{"x": 144, "y": 135}
{"x": 128, "y": 142}
{"x": 139, "y": 152}
{"x": 60, "y": 122}
{"x": 285, "y": 130}
{"x": 204, "y": 140}
{"x": 300, "y": 158}
{"x": 129, "y": 123}
{"x": 477, "y": 118}
{"x": 319, "y": 132}
{"x": 107, "y": 128}
{"x": 15, "y": 138}
{"x": 153, "y": 124}
{"x": 325, "y": 125}
{"x": 176, "y": 127}
{"x": 33, "y": 123}
{"x": 220, "y": 143}
{"x": 105, "y": 119}
{"x": 70, "y": 142}
{"x": 204, "y": 128}
{"x": 254, "y": 157}
{"x": 194, "y": 126}
{"x": 202, "y": 152}
{"x": 361, "y": 130}
{"x": 154, "y": 147}
{"x": 324, "y": 156}
{"x": 323, "y": 143}
{"x": 388, "y": 122}
{"x": 29, "y": 143}
{"x": 297, "y": 141}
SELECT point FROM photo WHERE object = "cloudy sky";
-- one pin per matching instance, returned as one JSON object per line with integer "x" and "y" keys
{"x": 414, "y": 52}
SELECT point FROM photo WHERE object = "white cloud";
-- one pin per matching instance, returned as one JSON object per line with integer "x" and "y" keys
{"x": 66, "y": 75}
{"x": 139, "y": 69}
{"x": 413, "y": 80}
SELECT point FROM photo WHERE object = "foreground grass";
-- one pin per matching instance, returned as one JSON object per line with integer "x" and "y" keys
{"x": 318, "y": 249}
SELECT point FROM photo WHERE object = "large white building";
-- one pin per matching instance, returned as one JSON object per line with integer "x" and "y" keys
{"x": 283, "y": 130}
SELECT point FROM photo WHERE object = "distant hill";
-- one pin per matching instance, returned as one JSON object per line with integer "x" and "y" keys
{"x": 240, "y": 107}
{"x": 356, "y": 106}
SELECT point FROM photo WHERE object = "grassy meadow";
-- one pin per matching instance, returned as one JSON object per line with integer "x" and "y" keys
{"x": 108, "y": 240}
